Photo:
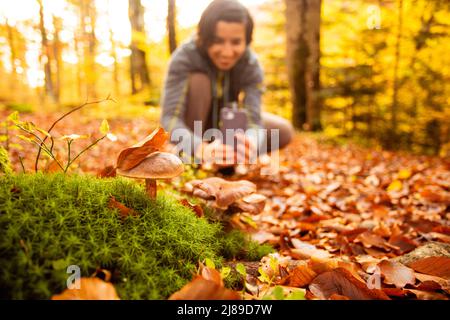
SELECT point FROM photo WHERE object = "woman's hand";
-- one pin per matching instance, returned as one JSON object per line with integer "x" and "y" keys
{"x": 224, "y": 155}
{"x": 246, "y": 149}
{"x": 217, "y": 153}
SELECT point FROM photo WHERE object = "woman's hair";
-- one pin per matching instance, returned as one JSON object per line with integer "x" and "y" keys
{"x": 222, "y": 10}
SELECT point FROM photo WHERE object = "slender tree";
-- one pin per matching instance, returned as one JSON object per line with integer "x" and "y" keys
{"x": 13, "y": 55}
{"x": 171, "y": 22}
{"x": 45, "y": 55}
{"x": 88, "y": 17}
{"x": 303, "y": 60}
{"x": 394, "y": 109}
{"x": 57, "y": 55}
{"x": 139, "y": 73}
{"x": 113, "y": 54}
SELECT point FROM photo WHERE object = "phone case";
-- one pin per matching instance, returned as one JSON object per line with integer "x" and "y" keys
{"x": 232, "y": 119}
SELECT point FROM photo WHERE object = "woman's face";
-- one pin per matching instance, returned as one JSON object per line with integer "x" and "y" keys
{"x": 229, "y": 44}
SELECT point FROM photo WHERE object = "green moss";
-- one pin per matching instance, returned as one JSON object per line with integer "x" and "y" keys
{"x": 49, "y": 222}
{"x": 237, "y": 245}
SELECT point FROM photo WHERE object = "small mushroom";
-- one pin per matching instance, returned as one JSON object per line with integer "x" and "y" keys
{"x": 239, "y": 194}
{"x": 158, "y": 165}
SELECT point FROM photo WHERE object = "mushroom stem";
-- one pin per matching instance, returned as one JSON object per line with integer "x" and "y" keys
{"x": 150, "y": 188}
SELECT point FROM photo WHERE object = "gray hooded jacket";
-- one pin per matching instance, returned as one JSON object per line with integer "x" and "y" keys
{"x": 246, "y": 77}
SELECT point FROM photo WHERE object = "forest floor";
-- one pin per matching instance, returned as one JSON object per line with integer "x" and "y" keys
{"x": 346, "y": 221}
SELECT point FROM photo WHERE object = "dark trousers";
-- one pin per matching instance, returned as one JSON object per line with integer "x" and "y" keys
{"x": 198, "y": 107}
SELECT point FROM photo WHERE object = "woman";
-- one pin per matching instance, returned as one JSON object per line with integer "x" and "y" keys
{"x": 205, "y": 74}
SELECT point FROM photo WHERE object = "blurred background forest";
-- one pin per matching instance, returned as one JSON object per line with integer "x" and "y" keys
{"x": 377, "y": 71}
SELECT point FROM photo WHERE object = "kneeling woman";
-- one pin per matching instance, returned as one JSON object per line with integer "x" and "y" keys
{"x": 213, "y": 69}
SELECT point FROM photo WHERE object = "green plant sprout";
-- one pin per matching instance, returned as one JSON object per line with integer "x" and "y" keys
{"x": 33, "y": 137}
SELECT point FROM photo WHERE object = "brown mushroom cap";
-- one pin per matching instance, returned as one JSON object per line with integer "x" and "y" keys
{"x": 158, "y": 165}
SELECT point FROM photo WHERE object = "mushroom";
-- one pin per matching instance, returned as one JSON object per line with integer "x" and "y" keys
{"x": 157, "y": 165}
{"x": 238, "y": 194}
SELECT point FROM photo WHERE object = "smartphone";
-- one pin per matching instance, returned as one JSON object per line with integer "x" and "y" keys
{"x": 232, "y": 118}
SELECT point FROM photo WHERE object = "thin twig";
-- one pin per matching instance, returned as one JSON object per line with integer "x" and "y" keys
{"x": 21, "y": 163}
{"x": 69, "y": 142}
{"x": 90, "y": 146}
{"x": 108, "y": 98}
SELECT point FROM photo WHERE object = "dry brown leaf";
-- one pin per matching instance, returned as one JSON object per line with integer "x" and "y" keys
{"x": 335, "y": 296}
{"x": 396, "y": 273}
{"x": 342, "y": 282}
{"x": 427, "y": 295}
{"x": 212, "y": 275}
{"x": 306, "y": 250}
{"x": 319, "y": 266}
{"x": 90, "y": 289}
{"x": 396, "y": 292}
{"x": 194, "y": 207}
{"x": 107, "y": 172}
{"x": 368, "y": 239}
{"x": 429, "y": 283}
{"x": 403, "y": 243}
{"x": 435, "y": 194}
{"x": 301, "y": 276}
{"x": 442, "y": 229}
{"x": 132, "y": 156}
{"x": 202, "y": 289}
{"x": 263, "y": 236}
{"x": 435, "y": 266}
{"x": 53, "y": 167}
{"x": 123, "y": 210}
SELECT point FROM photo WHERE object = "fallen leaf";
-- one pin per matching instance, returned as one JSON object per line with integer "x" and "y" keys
{"x": 369, "y": 239}
{"x": 262, "y": 236}
{"x": 212, "y": 275}
{"x": 432, "y": 282}
{"x": 335, "y": 296}
{"x": 426, "y": 295}
{"x": 194, "y": 207}
{"x": 435, "y": 194}
{"x": 396, "y": 273}
{"x": 202, "y": 289}
{"x": 403, "y": 243}
{"x": 404, "y": 174}
{"x": 52, "y": 167}
{"x": 395, "y": 185}
{"x": 435, "y": 266}
{"x": 132, "y": 156}
{"x": 306, "y": 250}
{"x": 442, "y": 229}
{"x": 301, "y": 276}
{"x": 90, "y": 289}
{"x": 107, "y": 172}
{"x": 123, "y": 210}
{"x": 340, "y": 281}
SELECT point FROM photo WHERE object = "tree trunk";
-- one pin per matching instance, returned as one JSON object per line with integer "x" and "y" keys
{"x": 114, "y": 56}
{"x": 171, "y": 19}
{"x": 89, "y": 46}
{"x": 303, "y": 60}
{"x": 396, "y": 67}
{"x": 80, "y": 69}
{"x": 13, "y": 57}
{"x": 139, "y": 74}
{"x": 45, "y": 56}
{"x": 57, "y": 49}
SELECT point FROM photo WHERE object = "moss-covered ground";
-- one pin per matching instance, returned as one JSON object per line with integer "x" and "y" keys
{"x": 49, "y": 222}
